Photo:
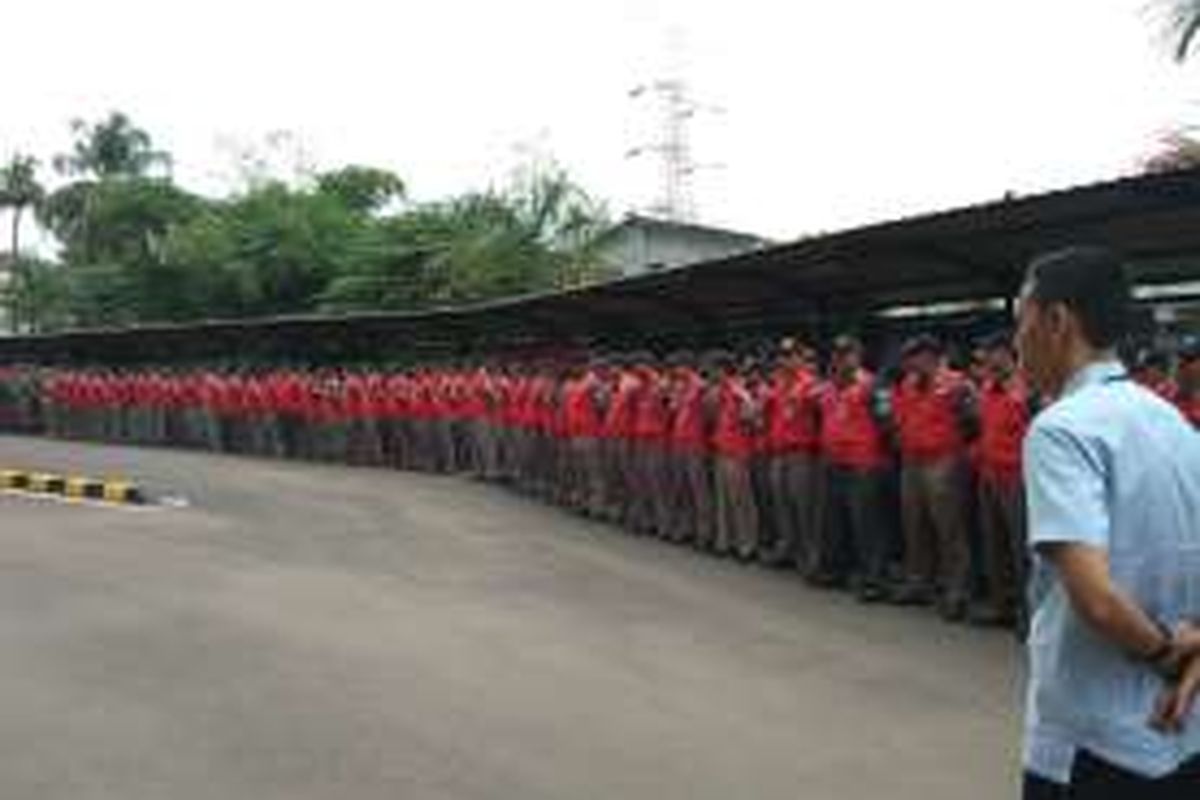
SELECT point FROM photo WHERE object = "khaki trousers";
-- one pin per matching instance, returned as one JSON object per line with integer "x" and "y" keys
{"x": 933, "y": 500}
{"x": 737, "y": 513}
{"x": 794, "y": 479}
{"x": 647, "y": 503}
{"x": 587, "y": 476}
{"x": 1002, "y": 523}
{"x": 697, "y": 503}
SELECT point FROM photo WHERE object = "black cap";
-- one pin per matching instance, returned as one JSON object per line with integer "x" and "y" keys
{"x": 923, "y": 343}
{"x": 1000, "y": 340}
{"x": 1189, "y": 348}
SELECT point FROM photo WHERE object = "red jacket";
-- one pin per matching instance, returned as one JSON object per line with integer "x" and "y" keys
{"x": 1003, "y": 422}
{"x": 545, "y": 407}
{"x": 618, "y": 423}
{"x": 357, "y": 402}
{"x": 850, "y": 436}
{"x": 650, "y": 412}
{"x": 579, "y": 408}
{"x": 792, "y": 414}
{"x": 396, "y": 396}
{"x": 475, "y": 400}
{"x": 688, "y": 427}
{"x": 928, "y": 418}
{"x": 733, "y": 437}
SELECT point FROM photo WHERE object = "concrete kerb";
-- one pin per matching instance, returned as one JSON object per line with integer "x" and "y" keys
{"x": 73, "y": 486}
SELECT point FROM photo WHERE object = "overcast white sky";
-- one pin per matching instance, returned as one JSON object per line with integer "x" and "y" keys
{"x": 832, "y": 113}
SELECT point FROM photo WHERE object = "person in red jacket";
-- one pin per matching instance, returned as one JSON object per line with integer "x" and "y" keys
{"x": 651, "y": 498}
{"x": 583, "y": 421}
{"x": 396, "y": 404}
{"x": 620, "y": 463}
{"x": 440, "y": 413}
{"x": 212, "y": 400}
{"x": 361, "y": 438}
{"x": 487, "y": 386}
{"x": 1004, "y": 413}
{"x": 793, "y": 446}
{"x": 853, "y": 540}
{"x": 688, "y": 447}
{"x": 191, "y": 408}
{"x": 518, "y": 424}
{"x": 737, "y": 424}
{"x": 757, "y": 372}
{"x": 420, "y": 411}
{"x": 502, "y": 382}
{"x": 474, "y": 411}
{"x": 935, "y": 413}
{"x": 291, "y": 394}
{"x": 551, "y": 443}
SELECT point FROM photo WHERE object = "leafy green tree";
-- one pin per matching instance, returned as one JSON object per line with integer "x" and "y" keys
{"x": 567, "y": 222}
{"x": 111, "y": 148}
{"x": 40, "y": 299}
{"x": 542, "y": 233}
{"x": 115, "y": 231}
{"x": 112, "y": 222}
{"x": 102, "y": 154}
{"x": 19, "y": 190}
{"x": 364, "y": 190}
{"x": 137, "y": 248}
{"x": 274, "y": 249}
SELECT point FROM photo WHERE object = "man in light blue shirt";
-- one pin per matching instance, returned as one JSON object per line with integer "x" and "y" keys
{"x": 1113, "y": 479}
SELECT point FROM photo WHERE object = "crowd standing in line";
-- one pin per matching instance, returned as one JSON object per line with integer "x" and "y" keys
{"x": 904, "y": 487}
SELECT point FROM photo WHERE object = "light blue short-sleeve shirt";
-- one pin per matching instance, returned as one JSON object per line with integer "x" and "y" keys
{"x": 1109, "y": 464}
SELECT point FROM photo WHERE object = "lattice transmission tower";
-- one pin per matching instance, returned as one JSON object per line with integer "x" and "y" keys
{"x": 676, "y": 107}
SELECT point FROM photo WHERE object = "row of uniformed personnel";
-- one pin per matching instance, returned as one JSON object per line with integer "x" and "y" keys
{"x": 907, "y": 490}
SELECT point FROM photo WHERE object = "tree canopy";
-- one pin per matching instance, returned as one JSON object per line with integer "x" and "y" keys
{"x": 19, "y": 190}
{"x": 136, "y": 247}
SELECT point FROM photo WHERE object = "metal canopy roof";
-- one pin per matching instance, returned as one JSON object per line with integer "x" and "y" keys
{"x": 971, "y": 253}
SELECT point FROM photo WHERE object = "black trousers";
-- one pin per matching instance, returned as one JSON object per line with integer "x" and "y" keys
{"x": 1095, "y": 779}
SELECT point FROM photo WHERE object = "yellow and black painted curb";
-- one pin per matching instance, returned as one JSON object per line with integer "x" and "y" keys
{"x": 72, "y": 486}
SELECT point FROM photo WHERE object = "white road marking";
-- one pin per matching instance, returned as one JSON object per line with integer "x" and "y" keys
{"x": 87, "y": 501}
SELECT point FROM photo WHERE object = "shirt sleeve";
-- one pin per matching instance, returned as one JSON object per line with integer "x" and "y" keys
{"x": 1066, "y": 484}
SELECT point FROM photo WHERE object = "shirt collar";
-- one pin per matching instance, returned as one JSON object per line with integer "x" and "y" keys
{"x": 1093, "y": 374}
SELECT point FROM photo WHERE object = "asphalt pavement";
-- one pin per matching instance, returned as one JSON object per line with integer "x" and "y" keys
{"x": 297, "y": 631}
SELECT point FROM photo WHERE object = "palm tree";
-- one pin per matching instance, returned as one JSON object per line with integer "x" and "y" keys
{"x": 111, "y": 148}
{"x": 19, "y": 190}
{"x": 111, "y": 151}
{"x": 1183, "y": 20}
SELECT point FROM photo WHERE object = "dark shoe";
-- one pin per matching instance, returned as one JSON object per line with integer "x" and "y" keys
{"x": 910, "y": 594}
{"x": 771, "y": 559}
{"x": 826, "y": 580}
{"x": 952, "y": 610}
{"x": 870, "y": 593}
